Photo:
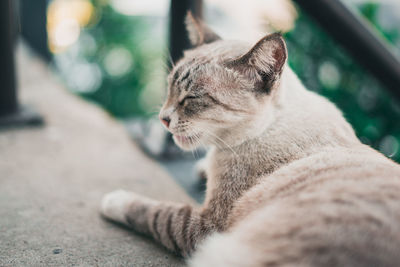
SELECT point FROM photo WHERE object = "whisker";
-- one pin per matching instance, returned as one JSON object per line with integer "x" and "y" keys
{"x": 191, "y": 149}
{"x": 170, "y": 58}
{"x": 222, "y": 141}
{"x": 195, "y": 140}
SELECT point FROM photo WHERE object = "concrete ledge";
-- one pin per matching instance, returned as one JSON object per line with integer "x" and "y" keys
{"x": 52, "y": 179}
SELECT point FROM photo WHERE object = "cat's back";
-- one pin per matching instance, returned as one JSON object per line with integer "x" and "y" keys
{"x": 340, "y": 207}
{"x": 333, "y": 174}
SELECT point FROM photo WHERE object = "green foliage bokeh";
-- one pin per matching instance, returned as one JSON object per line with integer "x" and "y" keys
{"x": 327, "y": 69}
{"x": 110, "y": 31}
{"x": 320, "y": 62}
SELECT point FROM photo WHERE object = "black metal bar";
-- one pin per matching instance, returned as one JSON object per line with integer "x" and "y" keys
{"x": 8, "y": 94}
{"x": 357, "y": 37}
{"x": 12, "y": 114}
{"x": 178, "y": 37}
{"x": 33, "y": 26}
{"x": 178, "y": 42}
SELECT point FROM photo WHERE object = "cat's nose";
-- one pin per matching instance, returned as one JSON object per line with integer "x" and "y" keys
{"x": 165, "y": 121}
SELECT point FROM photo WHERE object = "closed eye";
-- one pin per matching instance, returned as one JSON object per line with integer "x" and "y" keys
{"x": 182, "y": 102}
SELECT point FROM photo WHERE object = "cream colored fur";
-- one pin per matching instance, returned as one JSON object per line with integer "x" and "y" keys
{"x": 288, "y": 182}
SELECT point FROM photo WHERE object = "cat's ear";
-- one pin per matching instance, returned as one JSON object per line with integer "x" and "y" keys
{"x": 265, "y": 60}
{"x": 199, "y": 33}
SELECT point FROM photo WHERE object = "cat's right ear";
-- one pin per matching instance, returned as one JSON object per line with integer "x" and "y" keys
{"x": 199, "y": 33}
{"x": 264, "y": 62}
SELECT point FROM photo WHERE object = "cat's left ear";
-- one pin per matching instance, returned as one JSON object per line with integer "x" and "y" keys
{"x": 199, "y": 33}
{"x": 264, "y": 61}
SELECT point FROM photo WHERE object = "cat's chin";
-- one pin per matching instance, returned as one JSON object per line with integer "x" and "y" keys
{"x": 185, "y": 142}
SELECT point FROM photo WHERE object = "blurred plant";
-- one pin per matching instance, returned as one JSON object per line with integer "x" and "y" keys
{"x": 326, "y": 68}
{"x": 117, "y": 61}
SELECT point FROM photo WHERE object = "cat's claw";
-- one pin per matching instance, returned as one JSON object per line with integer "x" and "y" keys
{"x": 115, "y": 204}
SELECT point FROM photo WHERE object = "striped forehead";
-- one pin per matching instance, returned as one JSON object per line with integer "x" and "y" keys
{"x": 216, "y": 53}
{"x": 182, "y": 77}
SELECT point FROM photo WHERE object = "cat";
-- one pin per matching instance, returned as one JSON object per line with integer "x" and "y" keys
{"x": 288, "y": 182}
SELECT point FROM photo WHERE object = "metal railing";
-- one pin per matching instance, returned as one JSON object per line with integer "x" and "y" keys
{"x": 358, "y": 39}
{"x": 178, "y": 37}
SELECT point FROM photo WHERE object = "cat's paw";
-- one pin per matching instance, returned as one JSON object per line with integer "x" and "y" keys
{"x": 115, "y": 204}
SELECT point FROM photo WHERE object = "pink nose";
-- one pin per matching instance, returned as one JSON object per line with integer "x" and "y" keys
{"x": 166, "y": 121}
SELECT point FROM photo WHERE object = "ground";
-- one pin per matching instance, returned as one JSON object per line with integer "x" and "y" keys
{"x": 52, "y": 179}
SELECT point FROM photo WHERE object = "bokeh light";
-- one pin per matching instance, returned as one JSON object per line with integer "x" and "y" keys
{"x": 329, "y": 75}
{"x": 85, "y": 77}
{"x": 118, "y": 61}
{"x": 389, "y": 146}
{"x": 64, "y": 20}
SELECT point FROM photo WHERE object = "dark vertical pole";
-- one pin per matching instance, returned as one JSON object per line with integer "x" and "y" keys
{"x": 178, "y": 37}
{"x": 33, "y": 26}
{"x": 11, "y": 113}
{"x": 8, "y": 95}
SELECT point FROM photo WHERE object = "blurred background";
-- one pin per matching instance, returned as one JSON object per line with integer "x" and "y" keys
{"x": 116, "y": 53}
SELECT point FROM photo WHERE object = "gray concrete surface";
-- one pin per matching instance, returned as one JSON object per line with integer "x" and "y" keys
{"x": 52, "y": 179}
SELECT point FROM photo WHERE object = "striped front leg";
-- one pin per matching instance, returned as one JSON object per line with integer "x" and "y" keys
{"x": 178, "y": 227}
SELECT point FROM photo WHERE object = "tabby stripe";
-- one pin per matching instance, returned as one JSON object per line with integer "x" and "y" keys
{"x": 176, "y": 74}
{"x": 155, "y": 224}
{"x": 170, "y": 233}
{"x": 188, "y": 84}
{"x": 203, "y": 227}
{"x": 216, "y": 120}
{"x": 184, "y": 77}
{"x": 192, "y": 239}
{"x": 190, "y": 69}
{"x": 186, "y": 221}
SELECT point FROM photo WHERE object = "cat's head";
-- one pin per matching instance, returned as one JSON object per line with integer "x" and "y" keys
{"x": 222, "y": 92}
